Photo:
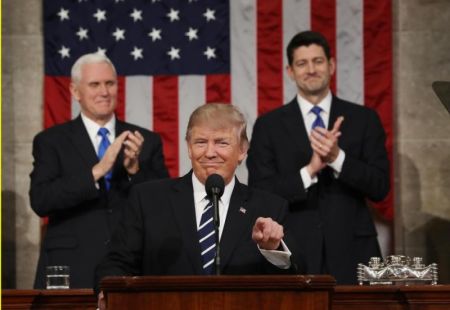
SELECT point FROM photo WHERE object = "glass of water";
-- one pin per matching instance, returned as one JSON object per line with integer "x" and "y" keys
{"x": 58, "y": 277}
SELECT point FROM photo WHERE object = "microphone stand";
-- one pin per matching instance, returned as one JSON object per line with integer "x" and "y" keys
{"x": 215, "y": 201}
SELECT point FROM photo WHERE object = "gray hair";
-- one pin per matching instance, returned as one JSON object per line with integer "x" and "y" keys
{"x": 93, "y": 58}
{"x": 220, "y": 116}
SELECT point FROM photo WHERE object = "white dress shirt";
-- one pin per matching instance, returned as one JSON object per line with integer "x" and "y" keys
{"x": 281, "y": 259}
{"x": 308, "y": 119}
{"x": 92, "y": 129}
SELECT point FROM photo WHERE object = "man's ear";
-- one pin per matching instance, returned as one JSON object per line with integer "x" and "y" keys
{"x": 74, "y": 91}
{"x": 243, "y": 152}
{"x": 332, "y": 65}
{"x": 290, "y": 72}
{"x": 189, "y": 150}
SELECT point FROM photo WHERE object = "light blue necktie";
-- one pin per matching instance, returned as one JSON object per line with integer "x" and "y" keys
{"x": 318, "y": 122}
{"x": 103, "y": 146}
{"x": 207, "y": 239}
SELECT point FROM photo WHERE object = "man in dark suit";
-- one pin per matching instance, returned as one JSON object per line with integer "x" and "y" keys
{"x": 325, "y": 174}
{"x": 82, "y": 195}
{"x": 161, "y": 231}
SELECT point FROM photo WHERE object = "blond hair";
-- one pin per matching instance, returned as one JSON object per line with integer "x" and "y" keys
{"x": 220, "y": 116}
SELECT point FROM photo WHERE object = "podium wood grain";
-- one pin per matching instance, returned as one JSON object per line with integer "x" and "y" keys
{"x": 219, "y": 292}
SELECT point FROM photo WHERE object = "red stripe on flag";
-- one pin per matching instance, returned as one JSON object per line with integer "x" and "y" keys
{"x": 165, "y": 118}
{"x": 323, "y": 20}
{"x": 120, "y": 107}
{"x": 218, "y": 88}
{"x": 378, "y": 77}
{"x": 269, "y": 55}
{"x": 57, "y": 100}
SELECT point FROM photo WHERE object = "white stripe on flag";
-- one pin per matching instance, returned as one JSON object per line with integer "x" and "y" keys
{"x": 139, "y": 100}
{"x": 191, "y": 95}
{"x": 243, "y": 65}
{"x": 350, "y": 59}
{"x": 296, "y": 18}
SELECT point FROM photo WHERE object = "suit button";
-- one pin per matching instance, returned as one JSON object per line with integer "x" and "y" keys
{"x": 320, "y": 225}
{"x": 107, "y": 242}
{"x": 110, "y": 210}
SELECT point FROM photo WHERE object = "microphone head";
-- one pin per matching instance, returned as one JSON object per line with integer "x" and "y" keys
{"x": 214, "y": 185}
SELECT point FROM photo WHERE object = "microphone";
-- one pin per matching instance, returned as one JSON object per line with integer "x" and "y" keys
{"x": 214, "y": 187}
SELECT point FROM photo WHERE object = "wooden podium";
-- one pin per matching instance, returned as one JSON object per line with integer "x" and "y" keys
{"x": 219, "y": 292}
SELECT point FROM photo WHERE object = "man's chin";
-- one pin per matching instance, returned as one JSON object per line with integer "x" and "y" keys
{"x": 211, "y": 170}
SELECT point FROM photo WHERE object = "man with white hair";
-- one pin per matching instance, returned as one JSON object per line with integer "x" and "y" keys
{"x": 83, "y": 170}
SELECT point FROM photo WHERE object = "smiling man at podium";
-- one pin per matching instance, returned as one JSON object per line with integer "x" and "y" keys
{"x": 162, "y": 232}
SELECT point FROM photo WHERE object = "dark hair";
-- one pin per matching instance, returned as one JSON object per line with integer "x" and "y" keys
{"x": 306, "y": 38}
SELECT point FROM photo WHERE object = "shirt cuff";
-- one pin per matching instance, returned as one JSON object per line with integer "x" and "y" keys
{"x": 337, "y": 164}
{"x": 306, "y": 178}
{"x": 281, "y": 259}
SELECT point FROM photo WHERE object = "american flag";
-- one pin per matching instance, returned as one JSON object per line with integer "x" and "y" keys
{"x": 174, "y": 55}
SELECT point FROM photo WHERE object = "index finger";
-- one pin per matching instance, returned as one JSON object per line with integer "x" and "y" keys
{"x": 139, "y": 135}
{"x": 122, "y": 137}
{"x": 260, "y": 223}
{"x": 337, "y": 124}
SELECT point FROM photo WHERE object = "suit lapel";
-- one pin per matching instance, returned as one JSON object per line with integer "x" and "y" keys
{"x": 237, "y": 223}
{"x": 335, "y": 112}
{"x": 295, "y": 125}
{"x": 182, "y": 202}
{"x": 118, "y": 165}
{"x": 80, "y": 139}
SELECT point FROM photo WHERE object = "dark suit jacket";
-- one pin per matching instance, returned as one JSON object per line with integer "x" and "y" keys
{"x": 330, "y": 219}
{"x": 81, "y": 216}
{"x": 159, "y": 233}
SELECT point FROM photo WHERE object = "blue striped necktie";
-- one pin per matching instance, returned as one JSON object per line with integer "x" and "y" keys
{"x": 103, "y": 146}
{"x": 207, "y": 239}
{"x": 318, "y": 122}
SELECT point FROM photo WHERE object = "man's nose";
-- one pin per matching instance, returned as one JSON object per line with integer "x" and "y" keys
{"x": 311, "y": 67}
{"x": 104, "y": 89}
{"x": 210, "y": 150}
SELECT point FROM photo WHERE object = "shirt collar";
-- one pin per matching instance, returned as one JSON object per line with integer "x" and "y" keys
{"x": 200, "y": 192}
{"x": 92, "y": 127}
{"x": 306, "y": 106}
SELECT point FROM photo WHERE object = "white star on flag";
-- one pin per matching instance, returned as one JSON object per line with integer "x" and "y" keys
{"x": 162, "y": 87}
{"x": 101, "y": 51}
{"x": 192, "y": 34}
{"x": 210, "y": 52}
{"x": 137, "y": 53}
{"x": 155, "y": 34}
{"x": 63, "y": 14}
{"x": 64, "y": 51}
{"x": 209, "y": 15}
{"x": 174, "y": 53}
{"x": 119, "y": 34}
{"x": 136, "y": 15}
{"x": 173, "y": 15}
{"x": 82, "y": 33}
{"x": 100, "y": 15}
